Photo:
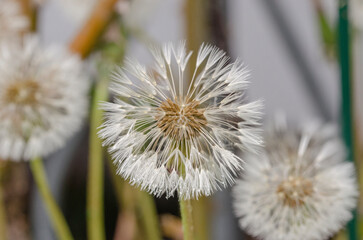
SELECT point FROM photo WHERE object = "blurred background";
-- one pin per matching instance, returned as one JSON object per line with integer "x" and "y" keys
{"x": 289, "y": 46}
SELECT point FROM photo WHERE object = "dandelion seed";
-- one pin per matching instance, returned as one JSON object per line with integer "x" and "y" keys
{"x": 300, "y": 187}
{"x": 43, "y": 98}
{"x": 166, "y": 135}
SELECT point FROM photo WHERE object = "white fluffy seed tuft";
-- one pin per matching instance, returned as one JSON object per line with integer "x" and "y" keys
{"x": 43, "y": 98}
{"x": 299, "y": 187}
{"x": 167, "y": 135}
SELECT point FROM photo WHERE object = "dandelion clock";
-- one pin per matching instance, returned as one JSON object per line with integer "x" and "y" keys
{"x": 300, "y": 187}
{"x": 43, "y": 98}
{"x": 172, "y": 131}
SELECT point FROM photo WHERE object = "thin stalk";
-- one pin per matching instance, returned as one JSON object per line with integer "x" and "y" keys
{"x": 342, "y": 235}
{"x": 3, "y": 222}
{"x": 200, "y": 214}
{"x": 30, "y": 10}
{"x": 131, "y": 199}
{"x": 186, "y": 211}
{"x": 58, "y": 221}
{"x": 148, "y": 216}
{"x": 327, "y": 32}
{"x": 87, "y": 37}
{"x": 125, "y": 195}
{"x": 347, "y": 110}
{"x": 95, "y": 188}
{"x": 197, "y": 30}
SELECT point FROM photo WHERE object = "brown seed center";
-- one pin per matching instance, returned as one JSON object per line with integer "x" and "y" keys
{"x": 180, "y": 120}
{"x": 22, "y": 92}
{"x": 294, "y": 191}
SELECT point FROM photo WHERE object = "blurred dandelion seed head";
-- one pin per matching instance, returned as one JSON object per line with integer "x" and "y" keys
{"x": 22, "y": 92}
{"x": 12, "y": 21}
{"x": 293, "y": 190}
{"x": 43, "y": 98}
{"x": 172, "y": 131}
{"x": 300, "y": 187}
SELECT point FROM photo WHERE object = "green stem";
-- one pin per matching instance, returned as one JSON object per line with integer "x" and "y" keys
{"x": 148, "y": 215}
{"x": 347, "y": 113}
{"x": 55, "y": 214}
{"x": 186, "y": 212}
{"x": 327, "y": 32}
{"x": 95, "y": 214}
{"x": 3, "y": 231}
{"x": 201, "y": 214}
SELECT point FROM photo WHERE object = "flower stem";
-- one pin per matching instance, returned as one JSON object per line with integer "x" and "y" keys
{"x": 186, "y": 212}
{"x": 95, "y": 214}
{"x": 3, "y": 222}
{"x": 30, "y": 10}
{"x": 347, "y": 110}
{"x": 55, "y": 214}
{"x": 130, "y": 199}
{"x": 148, "y": 215}
{"x": 87, "y": 38}
{"x": 201, "y": 216}
{"x": 2, "y": 216}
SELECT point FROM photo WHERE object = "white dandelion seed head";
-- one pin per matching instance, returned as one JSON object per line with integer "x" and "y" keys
{"x": 299, "y": 187}
{"x": 12, "y": 20}
{"x": 43, "y": 98}
{"x": 166, "y": 135}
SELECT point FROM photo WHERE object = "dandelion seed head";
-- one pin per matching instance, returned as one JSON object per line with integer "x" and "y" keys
{"x": 172, "y": 131}
{"x": 299, "y": 187}
{"x": 43, "y": 98}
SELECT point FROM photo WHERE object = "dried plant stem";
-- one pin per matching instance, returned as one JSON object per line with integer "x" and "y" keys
{"x": 131, "y": 200}
{"x": 95, "y": 190}
{"x": 148, "y": 216}
{"x": 125, "y": 195}
{"x": 87, "y": 38}
{"x": 125, "y": 226}
{"x": 171, "y": 226}
{"x": 3, "y": 222}
{"x": 186, "y": 211}
{"x": 59, "y": 223}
